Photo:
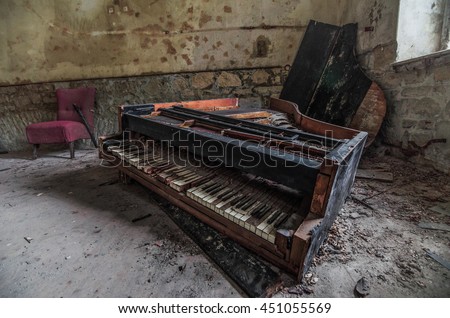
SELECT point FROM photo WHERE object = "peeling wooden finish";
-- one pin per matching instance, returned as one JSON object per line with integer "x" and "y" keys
{"x": 204, "y": 105}
{"x": 287, "y": 226}
{"x": 370, "y": 114}
{"x": 327, "y": 83}
{"x": 251, "y": 115}
{"x": 310, "y": 124}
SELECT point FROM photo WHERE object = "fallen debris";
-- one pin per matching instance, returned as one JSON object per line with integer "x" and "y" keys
{"x": 111, "y": 182}
{"x": 39, "y": 194}
{"x": 28, "y": 239}
{"x": 434, "y": 226}
{"x": 97, "y": 230}
{"x": 362, "y": 202}
{"x": 442, "y": 208}
{"x": 142, "y": 245}
{"x": 362, "y": 288}
{"x": 140, "y": 218}
{"x": 295, "y": 290}
{"x": 4, "y": 169}
{"x": 375, "y": 175}
{"x": 307, "y": 290}
{"x": 438, "y": 259}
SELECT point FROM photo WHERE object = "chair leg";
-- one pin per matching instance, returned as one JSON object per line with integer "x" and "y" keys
{"x": 72, "y": 149}
{"x": 35, "y": 149}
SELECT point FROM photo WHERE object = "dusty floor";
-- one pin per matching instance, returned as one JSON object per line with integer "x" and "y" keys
{"x": 69, "y": 230}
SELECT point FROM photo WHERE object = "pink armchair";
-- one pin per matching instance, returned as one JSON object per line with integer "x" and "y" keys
{"x": 69, "y": 126}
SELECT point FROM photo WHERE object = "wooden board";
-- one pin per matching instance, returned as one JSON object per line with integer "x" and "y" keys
{"x": 343, "y": 85}
{"x": 308, "y": 65}
{"x": 375, "y": 175}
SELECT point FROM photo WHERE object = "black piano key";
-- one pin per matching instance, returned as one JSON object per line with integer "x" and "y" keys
{"x": 216, "y": 190}
{"x": 207, "y": 185}
{"x": 236, "y": 200}
{"x": 262, "y": 212}
{"x": 228, "y": 196}
{"x": 281, "y": 221}
{"x": 212, "y": 188}
{"x": 258, "y": 209}
{"x": 274, "y": 217}
{"x": 240, "y": 204}
{"x": 248, "y": 204}
{"x": 220, "y": 196}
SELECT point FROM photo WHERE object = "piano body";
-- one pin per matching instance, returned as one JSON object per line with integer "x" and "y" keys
{"x": 273, "y": 180}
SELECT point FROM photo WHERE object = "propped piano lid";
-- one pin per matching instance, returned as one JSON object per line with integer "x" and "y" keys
{"x": 326, "y": 81}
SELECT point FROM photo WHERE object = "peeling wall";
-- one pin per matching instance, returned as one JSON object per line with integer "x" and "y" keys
{"x": 45, "y": 40}
{"x": 159, "y": 51}
{"x": 418, "y": 94}
{"x": 25, "y": 104}
{"x": 144, "y": 51}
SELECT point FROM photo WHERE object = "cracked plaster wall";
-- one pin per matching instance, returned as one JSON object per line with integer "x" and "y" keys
{"x": 159, "y": 50}
{"x": 418, "y": 94}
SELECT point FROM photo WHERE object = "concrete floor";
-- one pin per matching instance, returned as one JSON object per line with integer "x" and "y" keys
{"x": 67, "y": 230}
{"x": 83, "y": 240}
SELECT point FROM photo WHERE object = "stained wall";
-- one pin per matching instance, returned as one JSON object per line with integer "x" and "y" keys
{"x": 142, "y": 51}
{"x": 137, "y": 51}
{"x": 418, "y": 93}
{"x": 58, "y": 40}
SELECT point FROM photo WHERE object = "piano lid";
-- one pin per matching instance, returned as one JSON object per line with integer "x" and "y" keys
{"x": 327, "y": 83}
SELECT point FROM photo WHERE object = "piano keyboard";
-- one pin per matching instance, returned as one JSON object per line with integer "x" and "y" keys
{"x": 251, "y": 202}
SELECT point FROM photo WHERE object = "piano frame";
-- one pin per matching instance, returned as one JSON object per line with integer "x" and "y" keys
{"x": 294, "y": 251}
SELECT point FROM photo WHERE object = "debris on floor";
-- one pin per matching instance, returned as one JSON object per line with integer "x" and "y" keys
{"x": 438, "y": 259}
{"x": 362, "y": 288}
{"x": 375, "y": 236}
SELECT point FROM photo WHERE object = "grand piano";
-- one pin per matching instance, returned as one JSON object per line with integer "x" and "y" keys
{"x": 272, "y": 179}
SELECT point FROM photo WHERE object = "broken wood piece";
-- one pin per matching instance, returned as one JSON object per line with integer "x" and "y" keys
{"x": 434, "y": 226}
{"x": 251, "y": 115}
{"x": 187, "y": 123}
{"x": 4, "y": 169}
{"x": 438, "y": 259}
{"x": 108, "y": 183}
{"x": 28, "y": 239}
{"x": 140, "y": 218}
{"x": 367, "y": 205}
{"x": 375, "y": 175}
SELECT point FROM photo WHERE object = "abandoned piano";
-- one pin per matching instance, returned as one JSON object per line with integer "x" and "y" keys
{"x": 275, "y": 179}
{"x": 272, "y": 180}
